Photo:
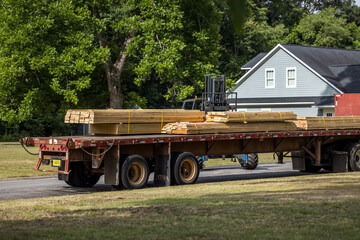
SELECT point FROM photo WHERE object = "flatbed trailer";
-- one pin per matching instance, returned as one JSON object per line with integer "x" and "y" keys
{"x": 127, "y": 161}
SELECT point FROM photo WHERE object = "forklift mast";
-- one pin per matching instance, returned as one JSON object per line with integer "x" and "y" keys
{"x": 215, "y": 97}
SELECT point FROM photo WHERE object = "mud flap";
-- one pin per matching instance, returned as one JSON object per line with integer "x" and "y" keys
{"x": 339, "y": 161}
{"x": 298, "y": 160}
{"x": 63, "y": 177}
{"x": 162, "y": 171}
{"x": 112, "y": 168}
{"x": 162, "y": 175}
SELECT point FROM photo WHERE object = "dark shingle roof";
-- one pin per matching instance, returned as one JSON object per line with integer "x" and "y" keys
{"x": 253, "y": 61}
{"x": 341, "y": 67}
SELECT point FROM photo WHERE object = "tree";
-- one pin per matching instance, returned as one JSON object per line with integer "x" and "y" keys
{"x": 257, "y": 36}
{"x": 325, "y": 29}
{"x": 52, "y": 52}
{"x": 176, "y": 51}
{"x": 47, "y": 56}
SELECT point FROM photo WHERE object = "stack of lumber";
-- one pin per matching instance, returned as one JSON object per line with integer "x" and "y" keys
{"x": 123, "y": 122}
{"x": 244, "y": 117}
{"x": 231, "y": 122}
{"x": 209, "y": 127}
{"x": 94, "y": 116}
{"x": 320, "y": 123}
{"x": 124, "y": 128}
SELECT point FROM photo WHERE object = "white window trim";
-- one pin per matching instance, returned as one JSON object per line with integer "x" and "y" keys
{"x": 266, "y": 70}
{"x": 265, "y": 109}
{"x": 287, "y": 77}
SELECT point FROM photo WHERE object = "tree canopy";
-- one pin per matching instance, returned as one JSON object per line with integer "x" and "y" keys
{"x": 62, "y": 54}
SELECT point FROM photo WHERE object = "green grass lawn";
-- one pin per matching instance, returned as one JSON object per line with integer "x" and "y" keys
{"x": 324, "y": 206}
{"x": 15, "y": 162}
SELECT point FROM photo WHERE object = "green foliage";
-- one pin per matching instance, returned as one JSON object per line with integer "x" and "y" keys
{"x": 258, "y": 36}
{"x": 287, "y": 12}
{"x": 134, "y": 100}
{"x": 177, "y": 43}
{"x": 239, "y": 13}
{"x": 325, "y": 29}
{"x": 47, "y": 53}
{"x": 53, "y": 53}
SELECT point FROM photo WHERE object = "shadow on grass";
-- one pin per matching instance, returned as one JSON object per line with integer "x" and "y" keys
{"x": 312, "y": 212}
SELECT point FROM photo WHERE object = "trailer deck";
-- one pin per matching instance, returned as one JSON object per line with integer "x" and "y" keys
{"x": 89, "y": 141}
{"x": 173, "y": 157}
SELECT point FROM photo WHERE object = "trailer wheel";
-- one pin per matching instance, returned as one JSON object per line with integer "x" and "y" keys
{"x": 80, "y": 176}
{"x": 251, "y": 162}
{"x": 354, "y": 157}
{"x": 134, "y": 172}
{"x": 185, "y": 169}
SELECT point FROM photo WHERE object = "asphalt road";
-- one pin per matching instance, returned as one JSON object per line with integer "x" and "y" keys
{"x": 51, "y": 186}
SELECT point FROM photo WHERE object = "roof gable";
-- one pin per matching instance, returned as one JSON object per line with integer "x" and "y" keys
{"x": 324, "y": 62}
{"x": 253, "y": 61}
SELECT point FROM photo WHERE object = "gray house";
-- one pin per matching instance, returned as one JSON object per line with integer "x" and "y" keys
{"x": 297, "y": 78}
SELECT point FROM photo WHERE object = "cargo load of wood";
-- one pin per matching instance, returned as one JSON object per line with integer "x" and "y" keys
{"x": 209, "y": 127}
{"x": 232, "y": 122}
{"x": 326, "y": 123}
{"x": 123, "y": 122}
{"x": 244, "y": 117}
{"x": 94, "y": 116}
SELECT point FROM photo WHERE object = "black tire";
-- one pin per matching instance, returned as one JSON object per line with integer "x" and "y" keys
{"x": 134, "y": 172}
{"x": 81, "y": 176}
{"x": 354, "y": 157}
{"x": 185, "y": 169}
{"x": 251, "y": 163}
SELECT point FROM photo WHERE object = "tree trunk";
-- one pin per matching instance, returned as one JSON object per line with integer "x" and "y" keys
{"x": 113, "y": 70}
{"x": 114, "y": 86}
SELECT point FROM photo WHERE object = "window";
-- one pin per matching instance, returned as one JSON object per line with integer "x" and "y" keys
{"x": 269, "y": 78}
{"x": 328, "y": 112}
{"x": 291, "y": 77}
{"x": 266, "y": 110}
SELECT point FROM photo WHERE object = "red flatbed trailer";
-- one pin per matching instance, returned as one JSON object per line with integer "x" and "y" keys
{"x": 126, "y": 161}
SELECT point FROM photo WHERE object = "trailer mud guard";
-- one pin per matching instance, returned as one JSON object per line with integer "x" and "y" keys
{"x": 339, "y": 161}
{"x": 162, "y": 165}
{"x": 112, "y": 168}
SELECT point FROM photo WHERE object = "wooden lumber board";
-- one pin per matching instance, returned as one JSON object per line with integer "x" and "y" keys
{"x": 94, "y": 116}
{"x": 250, "y": 116}
{"x": 208, "y": 127}
{"x": 319, "y": 123}
{"x": 124, "y": 129}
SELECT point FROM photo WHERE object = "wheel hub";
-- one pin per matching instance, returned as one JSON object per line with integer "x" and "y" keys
{"x": 136, "y": 173}
{"x": 187, "y": 169}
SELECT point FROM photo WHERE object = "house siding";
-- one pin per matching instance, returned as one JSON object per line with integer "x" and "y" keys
{"x": 300, "y": 111}
{"x": 307, "y": 83}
